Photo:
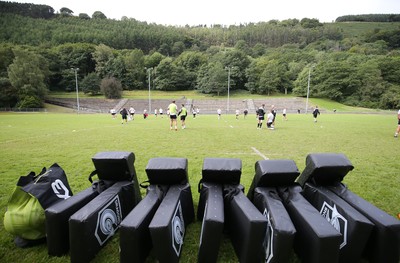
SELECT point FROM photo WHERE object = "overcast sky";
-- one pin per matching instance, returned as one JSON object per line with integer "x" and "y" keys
{"x": 209, "y": 12}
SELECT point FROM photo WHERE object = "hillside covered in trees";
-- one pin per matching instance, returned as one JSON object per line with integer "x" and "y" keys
{"x": 356, "y": 63}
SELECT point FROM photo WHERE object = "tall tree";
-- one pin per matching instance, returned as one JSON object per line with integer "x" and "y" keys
{"x": 76, "y": 55}
{"x": 212, "y": 79}
{"x": 390, "y": 99}
{"x": 238, "y": 61}
{"x": 151, "y": 61}
{"x": 65, "y": 11}
{"x": 98, "y": 15}
{"x": 169, "y": 76}
{"x": 272, "y": 78}
{"x": 6, "y": 58}
{"x": 134, "y": 64}
{"x": 27, "y": 74}
{"x": 178, "y": 48}
{"x": 334, "y": 80}
{"x": 390, "y": 68}
{"x": 84, "y": 16}
{"x": 103, "y": 55}
{"x": 8, "y": 94}
{"x": 371, "y": 85}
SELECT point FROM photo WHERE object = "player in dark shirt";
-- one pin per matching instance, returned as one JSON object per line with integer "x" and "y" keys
{"x": 260, "y": 116}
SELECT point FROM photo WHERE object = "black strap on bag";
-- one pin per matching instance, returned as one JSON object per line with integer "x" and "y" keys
{"x": 230, "y": 192}
{"x": 99, "y": 185}
{"x": 91, "y": 175}
{"x": 200, "y": 185}
{"x": 49, "y": 186}
{"x": 25, "y": 180}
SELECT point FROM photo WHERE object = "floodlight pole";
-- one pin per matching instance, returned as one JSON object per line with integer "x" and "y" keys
{"x": 76, "y": 86}
{"x": 229, "y": 85}
{"x": 308, "y": 86}
{"x": 149, "y": 71}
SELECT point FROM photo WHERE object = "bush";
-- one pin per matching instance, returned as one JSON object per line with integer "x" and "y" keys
{"x": 111, "y": 88}
{"x": 30, "y": 102}
{"x": 391, "y": 98}
{"x": 91, "y": 84}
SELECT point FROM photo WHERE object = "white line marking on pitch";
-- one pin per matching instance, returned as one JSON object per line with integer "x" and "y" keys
{"x": 259, "y": 153}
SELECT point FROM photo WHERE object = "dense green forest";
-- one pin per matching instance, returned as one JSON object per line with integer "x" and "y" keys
{"x": 355, "y": 63}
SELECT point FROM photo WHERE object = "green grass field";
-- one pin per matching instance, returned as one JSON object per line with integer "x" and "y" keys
{"x": 31, "y": 141}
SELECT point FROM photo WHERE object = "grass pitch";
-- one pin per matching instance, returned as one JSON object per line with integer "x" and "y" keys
{"x": 31, "y": 141}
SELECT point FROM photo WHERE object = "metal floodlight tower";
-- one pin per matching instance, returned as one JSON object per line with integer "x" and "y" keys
{"x": 148, "y": 72}
{"x": 76, "y": 87}
{"x": 308, "y": 86}
{"x": 229, "y": 85}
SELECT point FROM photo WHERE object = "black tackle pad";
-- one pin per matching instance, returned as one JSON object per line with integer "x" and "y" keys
{"x": 134, "y": 234}
{"x": 212, "y": 222}
{"x": 167, "y": 171}
{"x": 117, "y": 166}
{"x": 167, "y": 228}
{"x": 325, "y": 169}
{"x": 316, "y": 239}
{"x": 278, "y": 244}
{"x": 384, "y": 242}
{"x": 354, "y": 227}
{"x": 95, "y": 223}
{"x": 222, "y": 170}
{"x": 219, "y": 171}
{"x": 246, "y": 226}
{"x": 57, "y": 216}
{"x": 272, "y": 173}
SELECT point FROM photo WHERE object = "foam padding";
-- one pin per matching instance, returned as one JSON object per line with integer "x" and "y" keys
{"x": 222, "y": 170}
{"x": 134, "y": 239}
{"x": 95, "y": 223}
{"x": 316, "y": 239}
{"x": 115, "y": 166}
{"x": 384, "y": 242}
{"x": 271, "y": 173}
{"x": 354, "y": 227}
{"x": 203, "y": 191}
{"x": 325, "y": 169}
{"x": 57, "y": 216}
{"x": 246, "y": 227}
{"x": 278, "y": 245}
{"x": 168, "y": 226}
{"x": 212, "y": 214}
{"x": 167, "y": 171}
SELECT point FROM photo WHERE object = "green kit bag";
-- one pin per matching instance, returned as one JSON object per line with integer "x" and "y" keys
{"x": 25, "y": 216}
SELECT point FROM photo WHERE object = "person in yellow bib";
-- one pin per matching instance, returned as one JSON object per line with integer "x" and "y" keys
{"x": 172, "y": 109}
{"x": 183, "y": 113}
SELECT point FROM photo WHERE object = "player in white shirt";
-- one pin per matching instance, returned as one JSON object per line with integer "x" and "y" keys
{"x": 270, "y": 120}
{"x": 398, "y": 125}
{"x": 132, "y": 112}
